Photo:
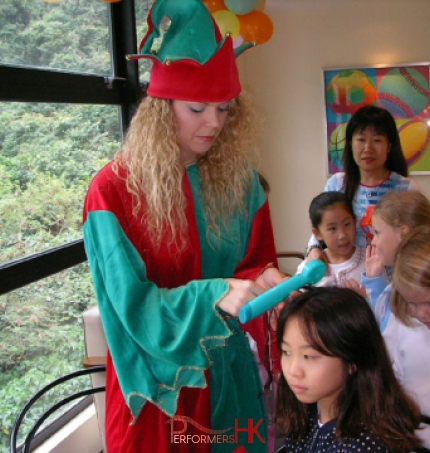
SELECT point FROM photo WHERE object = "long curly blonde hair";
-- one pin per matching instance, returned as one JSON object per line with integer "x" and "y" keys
{"x": 151, "y": 157}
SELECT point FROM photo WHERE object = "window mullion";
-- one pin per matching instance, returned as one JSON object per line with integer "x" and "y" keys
{"x": 124, "y": 41}
{"x": 25, "y": 84}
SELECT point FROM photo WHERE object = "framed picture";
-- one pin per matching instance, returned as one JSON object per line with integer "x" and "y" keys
{"x": 402, "y": 90}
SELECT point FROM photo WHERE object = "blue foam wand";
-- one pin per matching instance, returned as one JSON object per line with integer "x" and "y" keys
{"x": 312, "y": 272}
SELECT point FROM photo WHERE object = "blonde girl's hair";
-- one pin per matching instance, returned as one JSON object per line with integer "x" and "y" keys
{"x": 150, "y": 156}
{"x": 411, "y": 269}
{"x": 409, "y": 208}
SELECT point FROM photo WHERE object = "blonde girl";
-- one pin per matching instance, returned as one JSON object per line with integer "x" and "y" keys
{"x": 408, "y": 338}
{"x": 396, "y": 218}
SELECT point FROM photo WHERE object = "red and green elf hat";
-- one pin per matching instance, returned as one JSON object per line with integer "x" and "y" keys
{"x": 193, "y": 62}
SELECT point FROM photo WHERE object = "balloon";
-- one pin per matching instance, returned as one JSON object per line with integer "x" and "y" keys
{"x": 214, "y": 5}
{"x": 256, "y": 27}
{"x": 238, "y": 41}
{"x": 261, "y": 5}
{"x": 227, "y": 23}
{"x": 241, "y": 6}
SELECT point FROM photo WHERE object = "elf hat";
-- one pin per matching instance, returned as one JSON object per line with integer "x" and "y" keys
{"x": 193, "y": 62}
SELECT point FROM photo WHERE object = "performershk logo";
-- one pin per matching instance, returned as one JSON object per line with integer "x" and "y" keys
{"x": 179, "y": 425}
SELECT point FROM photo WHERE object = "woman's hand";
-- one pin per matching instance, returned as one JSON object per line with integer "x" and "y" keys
{"x": 240, "y": 293}
{"x": 270, "y": 277}
{"x": 374, "y": 265}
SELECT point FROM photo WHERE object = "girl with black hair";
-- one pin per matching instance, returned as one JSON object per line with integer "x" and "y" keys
{"x": 333, "y": 224}
{"x": 338, "y": 391}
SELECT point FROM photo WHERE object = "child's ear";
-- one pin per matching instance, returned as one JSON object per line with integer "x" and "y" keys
{"x": 404, "y": 230}
{"x": 317, "y": 234}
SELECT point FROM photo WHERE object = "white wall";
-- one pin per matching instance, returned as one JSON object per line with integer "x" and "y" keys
{"x": 81, "y": 435}
{"x": 285, "y": 79}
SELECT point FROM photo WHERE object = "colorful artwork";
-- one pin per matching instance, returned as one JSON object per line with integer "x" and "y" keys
{"x": 402, "y": 90}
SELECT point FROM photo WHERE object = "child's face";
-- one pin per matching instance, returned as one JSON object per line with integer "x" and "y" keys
{"x": 386, "y": 239}
{"x": 370, "y": 149}
{"x": 418, "y": 302}
{"x": 337, "y": 230}
{"x": 312, "y": 376}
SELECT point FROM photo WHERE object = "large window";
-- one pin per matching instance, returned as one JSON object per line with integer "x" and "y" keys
{"x": 41, "y": 340}
{"x": 66, "y": 96}
{"x": 48, "y": 154}
{"x": 69, "y": 35}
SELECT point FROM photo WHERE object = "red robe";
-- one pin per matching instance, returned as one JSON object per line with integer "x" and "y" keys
{"x": 180, "y": 374}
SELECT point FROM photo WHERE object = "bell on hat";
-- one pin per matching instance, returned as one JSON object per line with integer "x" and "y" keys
{"x": 193, "y": 62}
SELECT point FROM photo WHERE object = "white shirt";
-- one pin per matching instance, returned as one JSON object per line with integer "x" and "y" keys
{"x": 338, "y": 273}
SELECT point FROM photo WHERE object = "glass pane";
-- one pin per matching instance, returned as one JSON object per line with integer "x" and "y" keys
{"x": 48, "y": 155}
{"x": 141, "y": 10}
{"x": 42, "y": 339}
{"x": 70, "y": 35}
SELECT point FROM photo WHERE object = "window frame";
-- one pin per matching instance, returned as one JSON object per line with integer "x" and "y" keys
{"x": 28, "y": 84}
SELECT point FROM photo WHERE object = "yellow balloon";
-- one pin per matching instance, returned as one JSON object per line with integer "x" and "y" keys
{"x": 261, "y": 5}
{"x": 227, "y": 23}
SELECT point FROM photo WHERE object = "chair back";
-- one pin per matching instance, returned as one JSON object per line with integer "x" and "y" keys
{"x": 25, "y": 447}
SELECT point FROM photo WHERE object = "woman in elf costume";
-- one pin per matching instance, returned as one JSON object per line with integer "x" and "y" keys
{"x": 178, "y": 236}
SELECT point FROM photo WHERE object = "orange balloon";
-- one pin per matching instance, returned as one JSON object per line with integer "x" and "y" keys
{"x": 256, "y": 27}
{"x": 214, "y": 5}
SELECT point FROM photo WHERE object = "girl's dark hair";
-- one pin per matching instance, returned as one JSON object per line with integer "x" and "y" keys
{"x": 383, "y": 123}
{"x": 338, "y": 322}
{"x": 326, "y": 200}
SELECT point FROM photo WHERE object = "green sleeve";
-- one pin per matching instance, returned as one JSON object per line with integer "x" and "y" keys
{"x": 164, "y": 333}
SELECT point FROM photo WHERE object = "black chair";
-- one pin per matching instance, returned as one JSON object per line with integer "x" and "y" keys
{"x": 25, "y": 447}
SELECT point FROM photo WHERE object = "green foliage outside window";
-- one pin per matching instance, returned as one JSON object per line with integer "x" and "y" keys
{"x": 48, "y": 155}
